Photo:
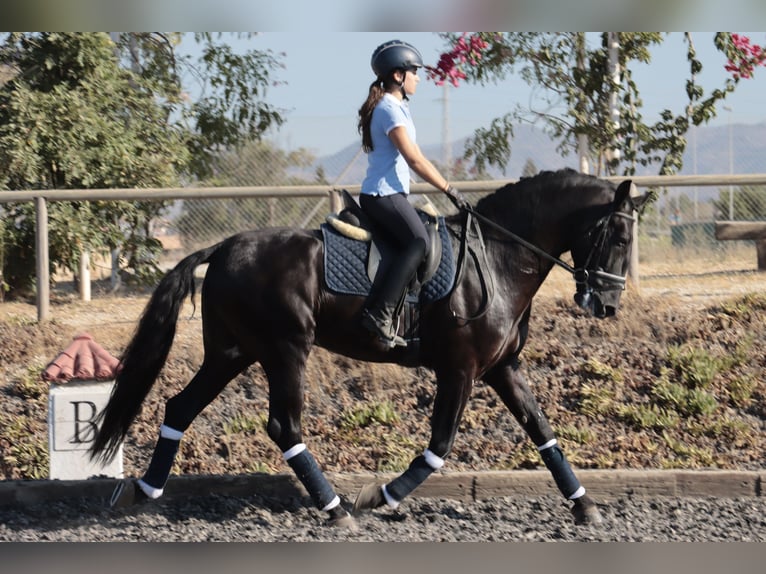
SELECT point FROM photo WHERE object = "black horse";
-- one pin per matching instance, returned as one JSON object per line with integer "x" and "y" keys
{"x": 264, "y": 298}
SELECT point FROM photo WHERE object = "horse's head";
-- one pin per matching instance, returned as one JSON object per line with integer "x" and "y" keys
{"x": 601, "y": 255}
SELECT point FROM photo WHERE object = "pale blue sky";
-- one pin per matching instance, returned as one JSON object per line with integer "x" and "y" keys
{"x": 327, "y": 75}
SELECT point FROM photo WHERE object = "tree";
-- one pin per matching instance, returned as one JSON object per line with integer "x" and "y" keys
{"x": 748, "y": 203}
{"x": 85, "y": 110}
{"x": 588, "y": 100}
{"x": 256, "y": 163}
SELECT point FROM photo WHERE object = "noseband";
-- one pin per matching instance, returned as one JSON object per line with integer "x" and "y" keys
{"x": 583, "y": 275}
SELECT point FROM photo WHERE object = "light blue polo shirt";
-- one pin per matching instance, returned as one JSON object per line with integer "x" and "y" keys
{"x": 387, "y": 170}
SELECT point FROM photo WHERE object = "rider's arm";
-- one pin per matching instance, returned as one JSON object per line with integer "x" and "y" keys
{"x": 416, "y": 160}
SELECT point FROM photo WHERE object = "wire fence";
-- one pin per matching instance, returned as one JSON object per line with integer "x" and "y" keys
{"x": 273, "y": 188}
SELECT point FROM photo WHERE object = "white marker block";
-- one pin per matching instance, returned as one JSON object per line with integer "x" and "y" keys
{"x": 72, "y": 411}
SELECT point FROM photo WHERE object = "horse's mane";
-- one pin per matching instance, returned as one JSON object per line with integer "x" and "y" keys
{"x": 526, "y": 193}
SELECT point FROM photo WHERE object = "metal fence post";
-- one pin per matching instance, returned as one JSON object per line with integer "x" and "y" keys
{"x": 43, "y": 267}
{"x": 633, "y": 272}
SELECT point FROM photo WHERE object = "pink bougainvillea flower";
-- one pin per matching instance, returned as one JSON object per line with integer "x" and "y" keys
{"x": 748, "y": 56}
{"x": 468, "y": 50}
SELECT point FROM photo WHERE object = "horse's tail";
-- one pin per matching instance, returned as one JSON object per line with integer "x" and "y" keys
{"x": 145, "y": 355}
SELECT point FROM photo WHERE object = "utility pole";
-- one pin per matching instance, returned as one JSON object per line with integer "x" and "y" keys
{"x": 446, "y": 143}
{"x": 582, "y": 139}
{"x": 731, "y": 166}
{"x": 613, "y": 49}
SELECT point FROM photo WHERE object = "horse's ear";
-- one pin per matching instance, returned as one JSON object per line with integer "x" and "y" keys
{"x": 626, "y": 193}
{"x": 623, "y": 192}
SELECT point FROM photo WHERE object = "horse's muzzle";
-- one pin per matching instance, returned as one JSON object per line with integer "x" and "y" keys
{"x": 599, "y": 305}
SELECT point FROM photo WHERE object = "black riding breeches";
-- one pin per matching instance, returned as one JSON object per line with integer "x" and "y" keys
{"x": 396, "y": 216}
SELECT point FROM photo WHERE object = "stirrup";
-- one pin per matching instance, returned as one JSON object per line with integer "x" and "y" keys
{"x": 388, "y": 339}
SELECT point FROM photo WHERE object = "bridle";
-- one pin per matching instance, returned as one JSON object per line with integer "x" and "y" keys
{"x": 584, "y": 276}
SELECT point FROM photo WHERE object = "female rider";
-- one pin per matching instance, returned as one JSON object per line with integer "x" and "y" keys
{"x": 388, "y": 138}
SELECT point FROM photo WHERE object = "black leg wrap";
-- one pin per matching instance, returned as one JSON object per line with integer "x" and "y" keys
{"x": 554, "y": 459}
{"x": 410, "y": 479}
{"x": 306, "y": 469}
{"x": 162, "y": 461}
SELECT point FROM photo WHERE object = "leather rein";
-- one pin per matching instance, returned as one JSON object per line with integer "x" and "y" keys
{"x": 581, "y": 275}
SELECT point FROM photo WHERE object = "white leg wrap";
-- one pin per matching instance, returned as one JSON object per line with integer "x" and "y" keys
{"x": 333, "y": 503}
{"x": 149, "y": 491}
{"x": 389, "y": 499}
{"x": 294, "y": 450}
{"x": 578, "y": 493}
{"x": 548, "y": 444}
{"x": 435, "y": 462}
{"x": 171, "y": 433}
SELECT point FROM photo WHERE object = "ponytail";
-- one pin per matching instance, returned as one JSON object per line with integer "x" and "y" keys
{"x": 365, "y": 113}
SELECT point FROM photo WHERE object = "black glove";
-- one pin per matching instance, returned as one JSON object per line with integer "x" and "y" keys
{"x": 458, "y": 199}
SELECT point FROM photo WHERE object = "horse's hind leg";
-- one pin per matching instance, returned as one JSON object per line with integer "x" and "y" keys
{"x": 510, "y": 385}
{"x": 284, "y": 365}
{"x": 180, "y": 411}
{"x": 452, "y": 392}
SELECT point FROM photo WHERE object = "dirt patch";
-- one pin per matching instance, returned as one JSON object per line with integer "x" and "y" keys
{"x": 675, "y": 381}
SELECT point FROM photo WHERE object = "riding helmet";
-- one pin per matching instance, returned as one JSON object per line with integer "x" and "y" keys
{"x": 395, "y": 55}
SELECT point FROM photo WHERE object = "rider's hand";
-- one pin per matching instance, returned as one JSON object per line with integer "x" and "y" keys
{"x": 457, "y": 199}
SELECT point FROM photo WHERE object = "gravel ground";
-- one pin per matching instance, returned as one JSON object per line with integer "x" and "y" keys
{"x": 255, "y": 519}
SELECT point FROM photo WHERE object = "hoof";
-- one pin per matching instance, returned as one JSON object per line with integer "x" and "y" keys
{"x": 346, "y": 522}
{"x": 586, "y": 512}
{"x": 126, "y": 493}
{"x": 371, "y": 496}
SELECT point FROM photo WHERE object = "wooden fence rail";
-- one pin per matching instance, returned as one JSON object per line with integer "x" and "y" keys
{"x": 745, "y": 230}
{"x": 41, "y": 197}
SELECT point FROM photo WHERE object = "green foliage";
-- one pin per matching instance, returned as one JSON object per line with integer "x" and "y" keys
{"x": 748, "y": 203}
{"x": 733, "y": 431}
{"x": 741, "y": 391}
{"x": 596, "y": 400}
{"x": 30, "y": 459}
{"x": 365, "y": 415}
{"x": 245, "y": 424}
{"x": 598, "y": 392}
{"x": 685, "y": 401}
{"x": 686, "y": 456}
{"x": 594, "y": 369}
{"x": 576, "y": 434}
{"x": 693, "y": 367}
{"x": 31, "y": 385}
{"x": 576, "y": 95}
{"x": 399, "y": 452}
{"x": 648, "y": 416}
{"x": 526, "y": 456}
{"x": 232, "y": 109}
{"x": 745, "y": 306}
{"x": 90, "y": 110}
{"x": 244, "y": 167}
{"x": 24, "y": 453}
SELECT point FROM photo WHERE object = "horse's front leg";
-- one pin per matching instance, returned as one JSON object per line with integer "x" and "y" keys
{"x": 452, "y": 392}
{"x": 510, "y": 385}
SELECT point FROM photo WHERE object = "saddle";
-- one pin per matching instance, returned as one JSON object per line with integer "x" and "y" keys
{"x": 352, "y": 222}
{"x": 355, "y": 251}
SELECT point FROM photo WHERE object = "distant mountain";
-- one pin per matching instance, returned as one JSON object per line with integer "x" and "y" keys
{"x": 707, "y": 153}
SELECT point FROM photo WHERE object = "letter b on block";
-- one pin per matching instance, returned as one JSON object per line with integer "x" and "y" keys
{"x": 84, "y": 422}
{"x": 72, "y": 412}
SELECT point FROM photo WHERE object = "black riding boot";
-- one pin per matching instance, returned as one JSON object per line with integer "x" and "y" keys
{"x": 380, "y": 316}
